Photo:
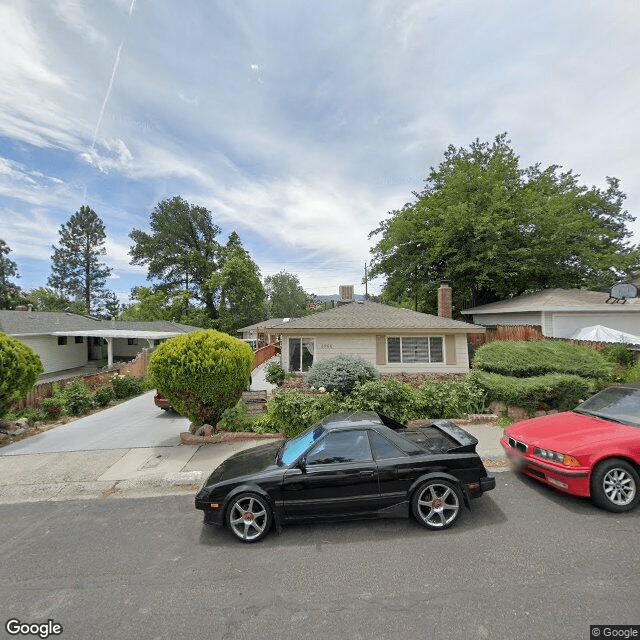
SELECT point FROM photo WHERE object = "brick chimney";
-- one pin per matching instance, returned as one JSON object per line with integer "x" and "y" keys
{"x": 444, "y": 300}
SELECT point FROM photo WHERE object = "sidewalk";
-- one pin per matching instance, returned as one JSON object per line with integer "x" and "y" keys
{"x": 147, "y": 471}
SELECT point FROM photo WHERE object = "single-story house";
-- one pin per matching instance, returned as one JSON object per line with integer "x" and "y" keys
{"x": 561, "y": 312}
{"x": 394, "y": 340}
{"x": 69, "y": 341}
{"x": 257, "y": 335}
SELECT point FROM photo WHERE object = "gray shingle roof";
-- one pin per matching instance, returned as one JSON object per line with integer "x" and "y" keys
{"x": 263, "y": 324}
{"x": 554, "y": 299}
{"x": 373, "y": 316}
{"x": 44, "y": 322}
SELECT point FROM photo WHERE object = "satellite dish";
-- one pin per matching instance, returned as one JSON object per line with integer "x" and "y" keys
{"x": 622, "y": 291}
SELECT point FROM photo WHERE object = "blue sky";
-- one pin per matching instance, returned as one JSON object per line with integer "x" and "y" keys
{"x": 298, "y": 124}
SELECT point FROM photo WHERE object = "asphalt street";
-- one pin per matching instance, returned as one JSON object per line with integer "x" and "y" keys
{"x": 527, "y": 563}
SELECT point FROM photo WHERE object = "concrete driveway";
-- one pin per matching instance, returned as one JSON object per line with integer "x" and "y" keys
{"x": 136, "y": 423}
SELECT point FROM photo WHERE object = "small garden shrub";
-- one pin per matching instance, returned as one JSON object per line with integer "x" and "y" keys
{"x": 292, "y": 412}
{"x": 77, "y": 398}
{"x": 558, "y": 391}
{"x": 540, "y": 357}
{"x": 105, "y": 395}
{"x": 275, "y": 374}
{"x": 341, "y": 373}
{"x": 619, "y": 354}
{"x": 126, "y": 386}
{"x": 235, "y": 418}
{"x": 450, "y": 399}
{"x": 52, "y": 408}
{"x": 390, "y": 397}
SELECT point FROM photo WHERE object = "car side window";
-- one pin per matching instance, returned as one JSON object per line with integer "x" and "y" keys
{"x": 341, "y": 446}
{"x": 383, "y": 449}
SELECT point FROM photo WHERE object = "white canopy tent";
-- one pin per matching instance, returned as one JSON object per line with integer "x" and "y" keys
{"x": 599, "y": 333}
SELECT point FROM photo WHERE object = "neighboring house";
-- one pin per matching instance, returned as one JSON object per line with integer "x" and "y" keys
{"x": 561, "y": 312}
{"x": 257, "y": 334}
{"x": 394, "y": 340}
{"x": 68, "y": 341}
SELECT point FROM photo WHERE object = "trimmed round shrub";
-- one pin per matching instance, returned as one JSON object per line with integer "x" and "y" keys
{"x": 104, "y": 395}
{"x": 201, "y": 373}
{"x": 126, "y": 386}
{"x": 275, "y": 374}
{"x": 341, "y": 373}
{"x": 539, "y": 357}
{"x": 77, "y": 398}
{"x": 19, "y": 370}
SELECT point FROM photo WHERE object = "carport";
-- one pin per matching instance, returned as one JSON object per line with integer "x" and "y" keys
{"x": 110, "y": 334}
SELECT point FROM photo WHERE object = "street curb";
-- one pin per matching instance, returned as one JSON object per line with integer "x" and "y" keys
{"x": 227, "y": 436}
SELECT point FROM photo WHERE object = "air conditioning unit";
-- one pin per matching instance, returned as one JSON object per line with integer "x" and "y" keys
{"x": 346, "y": 293}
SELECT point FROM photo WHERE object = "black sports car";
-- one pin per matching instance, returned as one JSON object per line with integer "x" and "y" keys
{"x": 349, "y": 465}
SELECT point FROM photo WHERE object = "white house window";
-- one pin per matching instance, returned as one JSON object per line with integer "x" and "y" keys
{"x": 300, "y": 354}
{"x": 132, "y": 341}
{"x": 62, "y": 340}
{"x": 412, "y": 349}
{"x": 79, "y": 339}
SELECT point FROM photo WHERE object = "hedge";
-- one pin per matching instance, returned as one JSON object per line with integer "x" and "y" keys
{"x": 559, "y": 391}
{"x": 540, "y": 357}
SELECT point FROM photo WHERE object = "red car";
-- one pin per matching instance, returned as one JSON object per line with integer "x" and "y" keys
{"x": 592, "y": 451}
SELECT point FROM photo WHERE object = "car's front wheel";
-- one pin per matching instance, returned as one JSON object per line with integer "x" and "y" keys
{"x": 436, "y": 504}
{"x": 249, "y": 517}
{"x": 615, "y": 486}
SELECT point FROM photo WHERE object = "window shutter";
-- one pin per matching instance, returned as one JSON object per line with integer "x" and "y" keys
{"x": 381, "y": 350}
{"x": 450, "y": 344}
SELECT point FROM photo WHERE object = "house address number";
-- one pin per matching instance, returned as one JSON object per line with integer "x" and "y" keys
{"x": 326, "y": 346}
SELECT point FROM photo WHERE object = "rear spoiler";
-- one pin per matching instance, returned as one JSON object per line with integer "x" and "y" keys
{"x": 467, "y": 442}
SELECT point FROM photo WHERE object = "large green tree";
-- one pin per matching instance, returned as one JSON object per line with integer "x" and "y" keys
{"x": 180, "y": 251}
{"x": 286, "y": 297}
{"x": 9, "y": 291}
{"x": 496, "y": 230}
{"x": 239, "y": 289}
{"x": 76, "y": 269}
{"x": 45, "y": 299}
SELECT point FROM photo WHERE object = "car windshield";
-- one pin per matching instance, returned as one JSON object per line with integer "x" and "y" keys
{"x": 619, "y": 404}
{"x": 298, "y": 445}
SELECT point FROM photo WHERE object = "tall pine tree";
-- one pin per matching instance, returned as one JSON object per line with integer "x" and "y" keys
{"x": 75, "y": 266}
{"x": 8, "y": 269}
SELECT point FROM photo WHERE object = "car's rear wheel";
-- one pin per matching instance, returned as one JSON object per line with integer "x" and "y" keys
{"x": 249, "y": 517}
{"x": 436, "y": 504}
{"x": 615, "y": 485}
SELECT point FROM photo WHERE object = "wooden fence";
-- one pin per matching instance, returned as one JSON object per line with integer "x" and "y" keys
{"x": 136, "y": 367}
{"x": 264, "y": 354}
{"x": 517, "y": 333}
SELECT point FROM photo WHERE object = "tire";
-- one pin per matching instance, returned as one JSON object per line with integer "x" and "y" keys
{"x": 615, "y": 486}
{"x": 437, "y": 504}
{"x": 249, "y": 517}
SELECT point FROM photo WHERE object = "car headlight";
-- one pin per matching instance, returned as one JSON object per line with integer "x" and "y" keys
{"x": 554, "y": 456}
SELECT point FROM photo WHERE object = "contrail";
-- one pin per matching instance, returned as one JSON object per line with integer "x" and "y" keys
{"x": 108, "y": 94}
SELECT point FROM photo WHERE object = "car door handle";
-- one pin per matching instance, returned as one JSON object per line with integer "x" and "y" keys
{"x": 365, "y": 473}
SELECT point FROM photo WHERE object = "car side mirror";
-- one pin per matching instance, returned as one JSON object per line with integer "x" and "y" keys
{"x": 302, "y": 464}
